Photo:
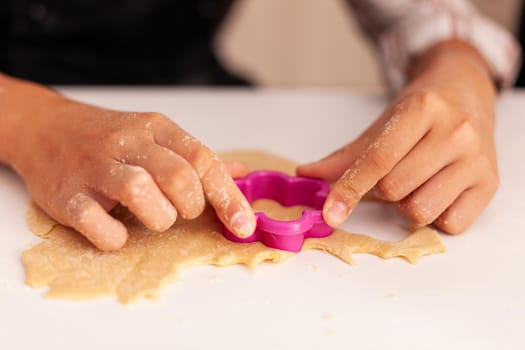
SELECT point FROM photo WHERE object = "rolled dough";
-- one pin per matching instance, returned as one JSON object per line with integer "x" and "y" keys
{"x": 73, "y": 269}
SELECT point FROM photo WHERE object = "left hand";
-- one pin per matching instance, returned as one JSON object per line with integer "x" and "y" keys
{"x": 431, "y": 151}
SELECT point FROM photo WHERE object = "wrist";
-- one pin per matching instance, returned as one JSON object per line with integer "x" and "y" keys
{"x": 453, "y": 55}
{"x": 458, "y": 73}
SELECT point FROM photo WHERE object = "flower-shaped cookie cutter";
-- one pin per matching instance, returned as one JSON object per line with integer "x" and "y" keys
{"x": 288, "y": 191}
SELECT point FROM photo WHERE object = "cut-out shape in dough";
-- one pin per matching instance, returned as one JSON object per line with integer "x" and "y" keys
{"x": 74, "y": 269}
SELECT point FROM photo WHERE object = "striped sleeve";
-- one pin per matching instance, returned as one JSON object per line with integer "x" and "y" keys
{"x": 401, "y": 29}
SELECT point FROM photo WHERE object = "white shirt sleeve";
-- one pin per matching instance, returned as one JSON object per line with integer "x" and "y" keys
{"x": 402, "y": 29}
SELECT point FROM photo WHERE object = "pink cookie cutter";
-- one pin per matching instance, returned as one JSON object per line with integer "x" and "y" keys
{"x": 288, "y": 191}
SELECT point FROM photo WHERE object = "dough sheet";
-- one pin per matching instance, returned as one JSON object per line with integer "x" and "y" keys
{"x": 72, "y": 268}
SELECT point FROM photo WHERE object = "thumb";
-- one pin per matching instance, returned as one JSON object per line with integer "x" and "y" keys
{"x": 331, "y": 167}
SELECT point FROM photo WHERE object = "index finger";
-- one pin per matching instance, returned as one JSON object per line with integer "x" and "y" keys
{"x": 231, "y": 206}
{"x": 407, "y": 124}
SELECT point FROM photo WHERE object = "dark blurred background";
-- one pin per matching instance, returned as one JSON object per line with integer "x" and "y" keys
{"x": 198, "y": 42}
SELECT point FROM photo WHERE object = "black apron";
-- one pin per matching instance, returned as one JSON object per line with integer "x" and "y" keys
{"x": 124, "y": 42}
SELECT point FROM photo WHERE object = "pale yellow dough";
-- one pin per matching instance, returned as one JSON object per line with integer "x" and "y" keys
{"x": 74, "y": 269}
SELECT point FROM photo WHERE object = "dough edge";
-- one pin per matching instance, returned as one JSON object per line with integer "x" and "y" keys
{"x": 72, "y": 269}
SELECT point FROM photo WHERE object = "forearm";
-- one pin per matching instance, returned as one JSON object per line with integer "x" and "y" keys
{"x": 21, "y": 104}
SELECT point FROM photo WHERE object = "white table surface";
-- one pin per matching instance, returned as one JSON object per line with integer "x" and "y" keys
{"x": 471, "y": 297}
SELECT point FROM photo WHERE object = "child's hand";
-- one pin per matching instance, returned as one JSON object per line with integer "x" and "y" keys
{"x": 79, "y": 161}
{"x": 431, "y": 151}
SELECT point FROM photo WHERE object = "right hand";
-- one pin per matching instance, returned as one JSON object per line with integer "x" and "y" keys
{"x": 79, "y": 161}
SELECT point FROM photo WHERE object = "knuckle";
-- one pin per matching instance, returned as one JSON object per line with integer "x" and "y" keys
{"x": 114, "y": 137}
{"x": 390, "y": 189}
{"x": 180, "y": 180}
{"x": 450, "y": 224}
{"x": 204, "y": 160}
{"x": 153, "y": 118}
{"x": 491, "y": 183}
{"x": 121, "y": 137}
{"x": 482, "y": 165}
{"x": 348, "y": 191}
{"x": 135, "y": 185}
{"x": 416, "y": 211}
{"x": 464, "y": 117}
{"x": 78, "y": 208}
{"x": 191, "y": 210}
{"x": 204, "y": 154}
{"x": 131, "y": 126}
{"x": 464, "y": 134}
{"x": 379, "y": 159}
{"x": 426, "y": 101}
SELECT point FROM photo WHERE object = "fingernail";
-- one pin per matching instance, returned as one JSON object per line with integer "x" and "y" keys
{"x": 241, "y": 224}
{"x": 337, "y": 213}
